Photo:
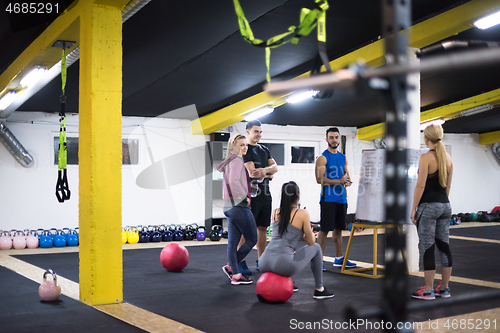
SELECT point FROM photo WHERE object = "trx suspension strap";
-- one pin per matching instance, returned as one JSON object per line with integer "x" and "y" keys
{"x": 62, "y": 188}
{"x": 309, "y": 18}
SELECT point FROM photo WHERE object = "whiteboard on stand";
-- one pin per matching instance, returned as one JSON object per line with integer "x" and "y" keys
{"x": 371, "y": 189}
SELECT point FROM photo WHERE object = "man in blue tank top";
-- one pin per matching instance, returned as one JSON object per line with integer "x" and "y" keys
{"x": 332, "y": 174}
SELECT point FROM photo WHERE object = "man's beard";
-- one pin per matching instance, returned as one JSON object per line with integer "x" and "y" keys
{"x": 333, "y": 146}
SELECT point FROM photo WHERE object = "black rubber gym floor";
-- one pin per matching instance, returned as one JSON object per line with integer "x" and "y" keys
{"x": 202, "y": 297}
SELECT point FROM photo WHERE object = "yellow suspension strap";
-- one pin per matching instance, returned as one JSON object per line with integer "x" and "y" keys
{"x": 321, "y": 57}
{"x": 309, "y": 18}
{"x": 62, "y": 187}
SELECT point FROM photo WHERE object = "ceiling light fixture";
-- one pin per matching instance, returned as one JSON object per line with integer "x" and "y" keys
{"x": 488, "y": 21}
{"x": 259, "y": 113}
{"x": 476, "y": 110}
{"x": 301, "y": 96}
{"x": 432, "y": 122}
{"x": 32, "y": 77}
{"x": 7, "y": 100}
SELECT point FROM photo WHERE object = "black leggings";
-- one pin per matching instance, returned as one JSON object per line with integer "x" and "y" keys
{"x": 434, "y": 231}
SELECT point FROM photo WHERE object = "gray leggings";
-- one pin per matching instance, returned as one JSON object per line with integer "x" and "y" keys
{"x": 284, "y": 262}
{"x": 434, "y": 231}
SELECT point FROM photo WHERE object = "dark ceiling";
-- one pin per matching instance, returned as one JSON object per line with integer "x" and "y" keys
{"x": 179, "y": 53}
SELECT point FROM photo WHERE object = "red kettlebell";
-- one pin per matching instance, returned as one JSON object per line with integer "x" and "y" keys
{"x": 49, "y": 290}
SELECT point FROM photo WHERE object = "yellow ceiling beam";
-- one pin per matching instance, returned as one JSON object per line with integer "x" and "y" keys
{"x": 489, "y": 138}
{"x": 454, "y": 109}
{"x": 41, "y": 53}
{"x": 376, "y": 131}
{"x": 425, "y": 33}
{"x": 431, "y": 31}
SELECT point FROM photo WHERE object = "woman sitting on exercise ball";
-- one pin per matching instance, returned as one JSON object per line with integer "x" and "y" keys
{"x": 290, "y": 225}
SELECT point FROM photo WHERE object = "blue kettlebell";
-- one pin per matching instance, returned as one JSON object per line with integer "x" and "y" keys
{"x": 168, "y": 236}
{"x": 59, "y": 240}
{"x": 53, "y": 233}
{"x": 72, "y": 239}
{"x": 46, "y": 241}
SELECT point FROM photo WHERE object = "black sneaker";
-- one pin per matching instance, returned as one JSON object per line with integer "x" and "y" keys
{"x": 295, "y": 288}
{"x": 227, "y": 270}
{"x": 241, "y": 280}
{"x": 322, "y": 294}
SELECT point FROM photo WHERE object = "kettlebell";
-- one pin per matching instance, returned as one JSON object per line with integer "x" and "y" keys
{"x": 32, "y": 240}
{"x": 45, "y": 240}
{"x": 144, "y": 236}
{"x": 5, "y": 241}
{"x": 59, "y": 239}
{"x": 52, "y": 233}
{"x": 178, "y": 235}
{"x": 133, "y": 236}
{"x": 157, "y": 236}
{"x": 72, "y": 239}
{"x": 124, "y": 236}
{"x": 49, "y": 291}
{"x": 201, "y": 234}
{"x": 19, "y": 242}
{"x": 168, "y": 236}
{"x": 66, "y": 233}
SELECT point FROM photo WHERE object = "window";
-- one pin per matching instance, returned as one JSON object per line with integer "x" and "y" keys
{"x": 130, "y": 151}
{"x": 302, "y": 154}
{"x": 277, "y": 151}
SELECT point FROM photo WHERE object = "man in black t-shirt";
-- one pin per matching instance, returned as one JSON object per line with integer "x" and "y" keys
{"x": 262, "y": 167}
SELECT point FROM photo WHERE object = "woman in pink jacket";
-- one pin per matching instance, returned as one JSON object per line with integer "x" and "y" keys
{"x": 240, "y": 220}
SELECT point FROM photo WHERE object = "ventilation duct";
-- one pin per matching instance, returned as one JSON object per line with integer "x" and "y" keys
{"x": 127, "y": 12}
{"x": 379, "y": 143}
{"x": 15, "y": 147}
{"x": 495, "y": 149}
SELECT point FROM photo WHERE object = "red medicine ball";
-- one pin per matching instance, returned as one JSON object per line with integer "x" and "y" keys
{"x": 174, "y": 257}
{"x": 273, "y": 288}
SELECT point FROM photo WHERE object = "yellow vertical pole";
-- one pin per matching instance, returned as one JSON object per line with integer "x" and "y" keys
{"x": 100, "y": 155}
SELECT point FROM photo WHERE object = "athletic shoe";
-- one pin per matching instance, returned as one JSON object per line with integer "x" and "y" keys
{"x": 257, "y": 264}
{"x": 422, "y": 294}
{"x": 444, "y": 293}
{"x": 324, "y": 269}
{"x": 295, "y": 288}
{"x": 241, "y": 280}
{"x": 322, "y": 294}
{"x": 338, "y": 263}
{"x": 227, "y": 270}
{"x": 243, "y": 268}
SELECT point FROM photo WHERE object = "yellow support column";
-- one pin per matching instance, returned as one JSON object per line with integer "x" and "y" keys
{"x": 100, "y": 155}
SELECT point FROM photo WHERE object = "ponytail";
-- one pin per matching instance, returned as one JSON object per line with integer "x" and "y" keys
{"x": 289, "y": 195}
{"x": 434, "y": 133}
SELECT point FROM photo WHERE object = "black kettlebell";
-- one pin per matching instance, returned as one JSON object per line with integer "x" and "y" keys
{"x": 178, "y": 235}
{"x": 144, "y": 237}
{"x": 168, "y": 236}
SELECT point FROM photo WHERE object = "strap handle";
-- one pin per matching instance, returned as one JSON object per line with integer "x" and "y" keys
{"x": 62, "y": 187}
{"x": 309, "y": 18}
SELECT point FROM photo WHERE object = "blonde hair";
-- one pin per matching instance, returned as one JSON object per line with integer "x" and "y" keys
{"x": 232, "y": 147}
{"x": 434, "y": 133}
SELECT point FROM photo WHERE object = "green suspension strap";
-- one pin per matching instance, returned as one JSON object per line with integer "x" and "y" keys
{"x": 62, "y": 188}
{"x": 309, "y": 18}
